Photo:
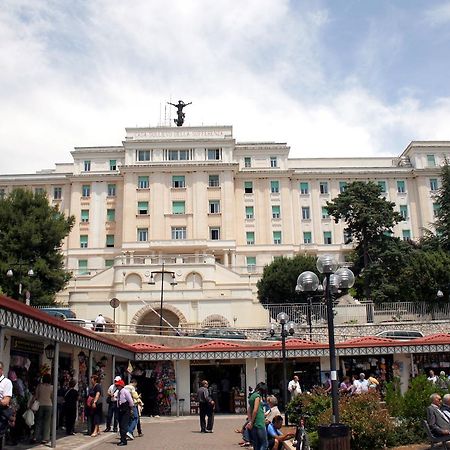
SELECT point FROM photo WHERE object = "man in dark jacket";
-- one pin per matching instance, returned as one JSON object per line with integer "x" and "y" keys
{"x": 437, "y": 420}
{"x": 206, "y": 408}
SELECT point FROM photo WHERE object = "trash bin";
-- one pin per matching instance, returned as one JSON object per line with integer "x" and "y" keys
{"x": 334, "y": 437}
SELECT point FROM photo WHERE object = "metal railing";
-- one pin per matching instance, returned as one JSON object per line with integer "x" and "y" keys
{"x": 364, "y": 312}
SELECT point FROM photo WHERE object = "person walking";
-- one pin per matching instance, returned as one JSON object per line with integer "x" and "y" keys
{"x": 112, "y": 417}
{"x": 136, "y": 402}
{"x": 125, "y": 405}
{"x": 6, "y": 392}
{"x": 70, "y": 407}
{"x": 256, "y": 420}
{"x": 206, "y": 408}
{"x": 43, "y": 394}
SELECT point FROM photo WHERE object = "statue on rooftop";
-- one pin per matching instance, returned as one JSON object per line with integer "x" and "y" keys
{"x": 180, "y": 119}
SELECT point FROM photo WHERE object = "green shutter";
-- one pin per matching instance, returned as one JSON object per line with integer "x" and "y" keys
{"x": 249, "y": 212}
{"x": 110, "y": 240}
{"x": 304, "y": 188}
{"x": 307, "y": 237}
{"x": 111, "y": 215}
{"x": 83, "y": 266}
{"x": 382, "y": 185}
{"x": 178, "y": 207}
{"x": 85, "y": 215}
{"x": 250, "y": 237}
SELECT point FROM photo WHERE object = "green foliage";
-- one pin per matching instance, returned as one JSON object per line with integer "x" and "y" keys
{"x": 31, "y": 235}
{"x": 394, "y": 398}
{"x": 369, "y": 422}
{"x": 311, "y": 405}
{"x": 277, "y": 284}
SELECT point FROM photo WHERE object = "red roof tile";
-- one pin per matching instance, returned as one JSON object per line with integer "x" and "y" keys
{"x": 143, "y": 346}
{"x": 297, "y": 344}
{"x": 368, "y": 341}
{"x": 214, "y": 345}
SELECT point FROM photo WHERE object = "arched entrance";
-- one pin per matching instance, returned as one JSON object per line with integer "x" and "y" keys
{"x": 147, "y": 320}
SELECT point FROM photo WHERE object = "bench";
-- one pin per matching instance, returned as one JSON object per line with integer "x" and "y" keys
{"x": 435, "y": 439}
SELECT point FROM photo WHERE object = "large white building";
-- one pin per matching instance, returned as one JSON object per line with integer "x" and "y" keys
{"x": 214, "y": 211}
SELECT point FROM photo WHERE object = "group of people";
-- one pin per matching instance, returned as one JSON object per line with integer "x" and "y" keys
{"x": 438, "y": 414}
{"x": 442, "y": 381}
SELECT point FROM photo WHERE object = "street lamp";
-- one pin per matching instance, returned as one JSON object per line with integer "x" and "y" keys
{"x": 173, "y": 282}
{"x": 10, "y": 274}
{"x": 287, "y": 328}
{"x": 308, "y": 279}
{"x": 335, "y": 279}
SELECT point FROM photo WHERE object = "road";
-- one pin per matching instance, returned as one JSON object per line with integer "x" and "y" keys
{"x": 181, "y": 433}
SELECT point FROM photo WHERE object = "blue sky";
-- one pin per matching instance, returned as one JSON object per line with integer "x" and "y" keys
{"x": 341, "y": 77}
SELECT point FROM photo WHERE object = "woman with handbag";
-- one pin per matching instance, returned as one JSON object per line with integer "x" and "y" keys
{"x": 43, "y": 416}
{"x": 94, "y": 406}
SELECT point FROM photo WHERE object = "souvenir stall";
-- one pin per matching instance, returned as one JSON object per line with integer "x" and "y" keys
{"x": 422, "y": 363}
{"x": 157, "y": 386}
{"x": 380, "y": 366}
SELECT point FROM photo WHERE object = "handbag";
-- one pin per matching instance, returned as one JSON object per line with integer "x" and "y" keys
{"x": 28, "y": 417}
{"x": 34, "y": 406}
{"x": 89, "y": 401}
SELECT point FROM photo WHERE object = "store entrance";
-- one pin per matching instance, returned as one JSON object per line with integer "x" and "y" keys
{"x": 308, "y": 371}
{"x": 226, "y": 385}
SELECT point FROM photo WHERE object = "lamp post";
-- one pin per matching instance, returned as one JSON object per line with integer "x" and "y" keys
{"x": 287, "y": 328}
{"x": 173, "y": 282}
{"x": 10, "y": 274}
{"x": 335, "y": 279}
{"x": 309, "y": 299}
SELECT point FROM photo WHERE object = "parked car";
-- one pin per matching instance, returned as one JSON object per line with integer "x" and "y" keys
{"x": 403, "y": 335}
{"x": 83, "y": 323}
{"x": 61, "y": 313}
{"x": 221, "y": 333}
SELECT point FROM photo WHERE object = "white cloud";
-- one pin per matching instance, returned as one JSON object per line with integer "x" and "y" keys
{"x": 438, "y": 15}
{"x": 78, "y": 74}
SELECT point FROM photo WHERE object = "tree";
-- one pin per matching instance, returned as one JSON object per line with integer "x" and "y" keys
{"x": 369, "y": 217}
{"x": 31, "y": 235}
{"x": 277, "y": 284}
{"x": 440, "y": 239}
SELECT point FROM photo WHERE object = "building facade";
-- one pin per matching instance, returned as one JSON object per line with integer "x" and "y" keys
{"x": 212, "y": 210}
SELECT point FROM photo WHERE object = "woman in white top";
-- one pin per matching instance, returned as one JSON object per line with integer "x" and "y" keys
{"x": 44, "y": 395}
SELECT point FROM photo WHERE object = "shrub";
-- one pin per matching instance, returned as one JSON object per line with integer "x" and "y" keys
{"x": 370, "y": 423}
{"x": 311, "y": 405}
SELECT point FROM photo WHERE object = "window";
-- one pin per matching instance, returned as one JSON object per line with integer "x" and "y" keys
{"x": 213, "y": 181}
{"x": 110, "y": 240}
{"x": 323, "y": 187}
{"x": 327, "y": 238}
{"x": 83, "y": 241}
{"x": 85, "y": 215}
{"x": 111, "y": 190}
{"x": 39, "y": 191}
{"x": 275, "y": 211}
{"x": 273, "y": 161}
{"x": 306, "y": 213}
{"x": 307, "y": 238}
{"x": 431, "y": 161}
{"x": 214, "y": 206}
{"x": 382, "y": 185}
{"x": 248, "y": 187}
{"x": 3, "y": 193}
{"x": 251, "y": 263}
{"x": 179, "y": 233}
{"x": 250, "y": 237}
{"x": 110, "y": 215}
{"x": 325, "y": 214}
{"x": 433, "y": 184}
{"x": 87, "y": 166}
{"x": 83, "y": 267}
{"x": 143, "y": 155}
{"x": 214, "y": 234}
{"x": 404, "y": 211}
{"x": 342, "y": 186}
{"x": 142, "y": 208}
{"x": 277, "y": 237}
{"x": 275, "y": 187}
{"x": 304, "y": 188}
{"x": 247, "y": 161}
{"x": 57, "y": 193}
{"x": 142, "y": 234}
{"x": 86, "y": 190}
{"x": 214, "y": 154}
{"x": 112, "y": 164}
{"x": 401, "y": 189}
{"x": 178, "y": 181}
{"x": 109, "y": 263}
{"x": 143, "y": 182}
{"x": 177, "y": 155}
{"x": 249, "y": 212}
{"x": 348, "y": 238}
{"x": 436, "y": 208}
{"x": 178, "y": 207}
{"x": 406, "y": 235}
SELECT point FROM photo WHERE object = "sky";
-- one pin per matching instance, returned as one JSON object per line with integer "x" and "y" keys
{"x": 328, "y": 77}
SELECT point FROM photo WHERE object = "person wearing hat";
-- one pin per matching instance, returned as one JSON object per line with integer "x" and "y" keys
{"x": 125, "y": 406}
{"x": 113, "y": 414}
{"x": 361, "y": 386}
